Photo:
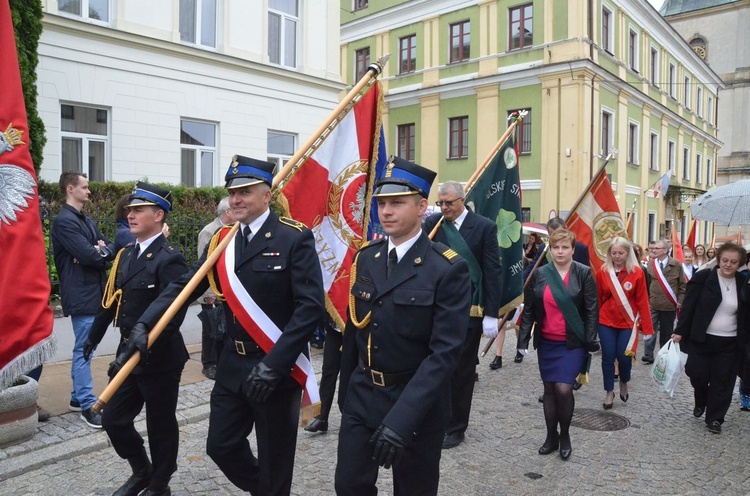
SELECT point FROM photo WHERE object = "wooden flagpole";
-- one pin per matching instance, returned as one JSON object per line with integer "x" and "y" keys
{"x": 299, "y": 158}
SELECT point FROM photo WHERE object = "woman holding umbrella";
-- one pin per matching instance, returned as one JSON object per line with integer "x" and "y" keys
{"x": 561, "y": 301}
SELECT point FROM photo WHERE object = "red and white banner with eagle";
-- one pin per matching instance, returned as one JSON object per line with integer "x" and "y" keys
{"x": 26, "y": 320}
{"x": 597, "y": 220}
{"x": 331, "y": 194}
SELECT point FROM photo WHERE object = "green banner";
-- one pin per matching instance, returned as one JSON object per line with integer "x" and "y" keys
{"x": 497, "y": 196}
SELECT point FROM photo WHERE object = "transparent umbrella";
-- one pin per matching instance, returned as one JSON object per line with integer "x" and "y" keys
{"x": 728, "y": 205}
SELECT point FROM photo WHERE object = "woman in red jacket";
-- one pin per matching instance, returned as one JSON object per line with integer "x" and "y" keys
{"x": 623, "y": 299}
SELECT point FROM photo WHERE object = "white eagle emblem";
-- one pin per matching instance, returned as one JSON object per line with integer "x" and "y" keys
{"x": 16, "y": 186}
{"x": 358, "y": 205}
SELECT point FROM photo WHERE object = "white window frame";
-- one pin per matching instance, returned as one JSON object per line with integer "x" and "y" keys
{"x": 709, "y": 172}
{"x": 86, "y": 139}
{"x": 699, "y": 101}
{"x": 199, "y": 149}
{"x": 653, "y": 158}
{"x": 634, "y": 160}
{"x": 611, "y": 133}
{"x": 710, "y": 110}
{"x": 672, "y": 76}
{"x": 698, "y": 168}
{"x": 687, "y": 80}
{"x": 686, "y": 163}
{"x": 654, "y": 77}
{"x": 672, "y": 156}
{"x": 637, "y": 55}
{"x": 280, "y": 159}
{"x": 199, "y": 26}
{"x": 282, "y": 36}
{"x": 84, "y": 16}
{"x": 652, "y": 226}
{"x": 610, "y": 42}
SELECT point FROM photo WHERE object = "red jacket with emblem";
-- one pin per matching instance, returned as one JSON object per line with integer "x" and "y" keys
{"x": 636, "y": 291}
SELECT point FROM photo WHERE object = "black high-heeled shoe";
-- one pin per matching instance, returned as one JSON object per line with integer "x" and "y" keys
{"x": 565, "y": 448}
{"x": 608, "y": 406}
{"x": 550, "y": 445}
{"x": 626, "y": 396}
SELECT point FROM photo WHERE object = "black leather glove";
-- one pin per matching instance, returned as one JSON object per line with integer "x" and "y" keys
{"x": 592, "y": 347}
{"x": 261, "y": 382}
{"x": 138, "y": 340}
{"x": 389, "y": 447}
{"x": 88, "y": 349}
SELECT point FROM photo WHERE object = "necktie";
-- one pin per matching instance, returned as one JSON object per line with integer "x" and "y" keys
{"x": 246, "y": 232}
{"x": 392, "y": 261}
{"x": 137, "y": 250}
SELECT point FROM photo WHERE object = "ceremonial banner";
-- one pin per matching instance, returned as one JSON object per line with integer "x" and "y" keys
{"x": 497, "y": 196}
{"x": 331, "y": 193}
{"x": 597, "y": 220}
{"x": 26, "y": 339}
{"x": 677, "y": 246}
{"x": 691, "y": 235}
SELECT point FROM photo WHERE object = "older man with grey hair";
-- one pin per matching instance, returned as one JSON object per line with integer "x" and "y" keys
{"x": 213, "y": 342}
{"x": 666, "y": 289}
{"x": 474, "y": 238}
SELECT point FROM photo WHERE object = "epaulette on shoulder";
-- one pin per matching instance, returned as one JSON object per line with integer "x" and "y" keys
{"x": 446, "y": 252}
{"x": 292, "y": 223}
{"x": 169, "y": 247}
{"x": 371, "y": 242}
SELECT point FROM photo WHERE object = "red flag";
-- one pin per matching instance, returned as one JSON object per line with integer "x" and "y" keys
{"x": 676, "y": 246}
{"x": 597, "y": 220}
{"x": 329, "y": 194}
{"x": 26, "y": 319}
{"x": 691, "y": 236}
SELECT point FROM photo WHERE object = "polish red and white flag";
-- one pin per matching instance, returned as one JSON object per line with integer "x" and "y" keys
{"x": 597, "y": 220}
{"x": 331, "y": 193}
{"x": 26, "y": 321}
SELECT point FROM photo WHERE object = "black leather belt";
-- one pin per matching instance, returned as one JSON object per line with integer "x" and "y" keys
{"x": 245, "y": 347}
{"x": 383, "y": 380}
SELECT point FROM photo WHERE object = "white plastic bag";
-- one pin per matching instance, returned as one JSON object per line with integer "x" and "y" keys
{"x": 668, "y": 367}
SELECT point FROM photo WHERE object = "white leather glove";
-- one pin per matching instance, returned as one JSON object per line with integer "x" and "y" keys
{"x": 489, "y": 326}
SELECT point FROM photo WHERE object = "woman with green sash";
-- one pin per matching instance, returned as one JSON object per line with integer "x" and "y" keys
{"x": 561, "y": 304}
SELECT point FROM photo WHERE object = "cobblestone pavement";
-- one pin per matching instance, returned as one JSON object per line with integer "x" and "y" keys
{"x": 664, "y": 450}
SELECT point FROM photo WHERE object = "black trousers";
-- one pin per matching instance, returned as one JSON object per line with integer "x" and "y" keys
{"x": 159, "y": 393}
{"x": 233, "y": 418}
{"x": 711, "y": 366}
{"x": 462, "y": 381}
{"x": 211, "y": 346}
{"x": 418, "y": 473}
{"x": 330, "y": 372}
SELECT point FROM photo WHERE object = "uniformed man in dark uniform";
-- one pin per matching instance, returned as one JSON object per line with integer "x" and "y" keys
{"x": 140, "y": 272}
{"x": 273, "y": 272}
{"x": 408, "y": 315}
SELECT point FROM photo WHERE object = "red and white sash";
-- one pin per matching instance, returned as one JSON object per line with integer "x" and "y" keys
{"x": 687, "y": 276}
{"x": 625, "y": 309}
{"x": 656, "y": 267}
{"x": 261, "y": 328}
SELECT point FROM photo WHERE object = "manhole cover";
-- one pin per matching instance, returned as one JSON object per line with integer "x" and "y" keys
{"x": 597, "y": 420}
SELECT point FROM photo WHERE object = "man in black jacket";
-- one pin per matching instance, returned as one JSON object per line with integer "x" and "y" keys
{"x": 271, "y": 280}
{"x": 408, "y": 315}
{"x": 473, "y": 237}
{"x": 141, "y": 271}
{"x": 81, "y": 255}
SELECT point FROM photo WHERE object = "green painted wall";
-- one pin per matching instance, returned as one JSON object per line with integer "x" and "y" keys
{"x": 457, "y": 169}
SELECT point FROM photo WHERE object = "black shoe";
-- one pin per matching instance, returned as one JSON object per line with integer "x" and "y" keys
{"x": 210, "y": 372}
{"x": 519, "y": 357}
{"x": 714, "y": 427}
{"x": 497, "y": 363}
{"x": 541, "y": 398}
{"x": 452, "y": 440}
{"x": 608, "y": 406}
{"x": 159, "y": 491}
{"x": 550, "y": 445}
{"x": 317, "y": 425}
{"x": 74, "y": 406}
{"x": 142, "y": 471}
{"x": 698, "y": 411}
{"x": 647, "y": 359}
{"x": 565, "y": 448}
{"x": 577, "y": 386}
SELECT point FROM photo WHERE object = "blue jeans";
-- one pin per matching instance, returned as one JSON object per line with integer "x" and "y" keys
{"x": 80, "y": 370}
{"x": 614, "y": 341}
